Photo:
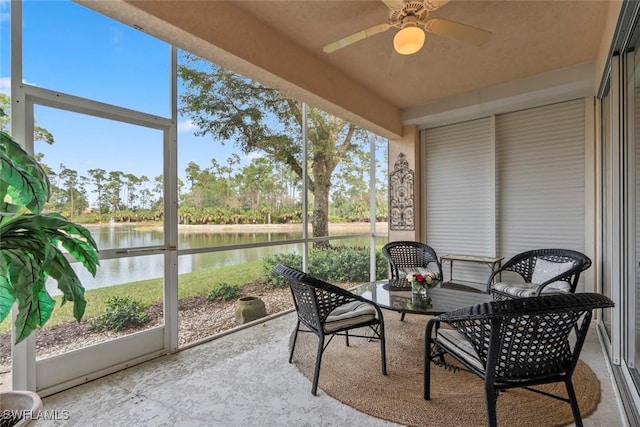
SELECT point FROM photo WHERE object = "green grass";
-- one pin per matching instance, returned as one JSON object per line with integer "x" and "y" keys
{"x": 151, "y": 291}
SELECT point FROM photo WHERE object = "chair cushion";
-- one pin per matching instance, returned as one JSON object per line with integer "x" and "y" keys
{"x": 349, "y": 314}
{"x": 459, "y": 345}
{"x": 545, "y": 270}
{"x": 524, "y": 290}
{"x": 403, "y": 272}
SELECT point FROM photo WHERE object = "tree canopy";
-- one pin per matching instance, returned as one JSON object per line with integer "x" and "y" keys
{"x": 230, "y": 107}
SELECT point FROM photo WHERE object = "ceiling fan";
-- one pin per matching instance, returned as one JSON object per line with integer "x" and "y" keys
{"x": 412, "y": 17}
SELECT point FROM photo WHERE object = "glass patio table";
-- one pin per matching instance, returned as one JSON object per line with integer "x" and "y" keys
{"x": 397, "y": 295}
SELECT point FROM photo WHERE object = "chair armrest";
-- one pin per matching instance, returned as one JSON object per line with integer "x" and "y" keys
{"x": 491, "y": 277}
{"x": 330, "y": 296}
{"x": 520, "y": 264}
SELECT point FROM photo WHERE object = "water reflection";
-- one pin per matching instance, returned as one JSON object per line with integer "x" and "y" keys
{"x": 129, "y": 236}
{"x": 144, "y": 267}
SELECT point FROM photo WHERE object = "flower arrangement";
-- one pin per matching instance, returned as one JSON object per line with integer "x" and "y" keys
{"x": 420, "y": 283}
{"x": 422, "y": 279}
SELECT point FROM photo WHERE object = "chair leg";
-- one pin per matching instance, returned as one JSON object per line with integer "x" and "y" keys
{"x": 346, "y": 336}
{"x": 402, "y": 317}
{"x": 316, "y": 372}
{"x": 491, "y": 397}
{"x": 293, "y": 345}
{"x": 383, "y": 348}
{"x": 574, "y": 403}
{"x": 426, "y": 386}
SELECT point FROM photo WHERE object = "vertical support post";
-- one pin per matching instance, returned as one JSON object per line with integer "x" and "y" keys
{"x": 372, "y": 207}
{"x": 305, "y": 198}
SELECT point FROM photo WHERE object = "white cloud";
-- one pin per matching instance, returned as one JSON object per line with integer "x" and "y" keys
{"x": 5, "y": 85}
{"x": 186, "y": 126}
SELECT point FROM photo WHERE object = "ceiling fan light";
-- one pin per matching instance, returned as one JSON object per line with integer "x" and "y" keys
{"x": 408, "y": 40}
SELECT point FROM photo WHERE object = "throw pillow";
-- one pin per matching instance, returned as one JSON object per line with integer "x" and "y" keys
{"x": 545, "y": 270}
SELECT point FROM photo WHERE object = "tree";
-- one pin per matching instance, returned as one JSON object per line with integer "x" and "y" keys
{"x": 145, "y": 194}
{"x": 99, "y": 176}
{"x": 192, "y": 170}
{"x": 158, "y": 187}
{"x": 234, "y": 159}
{"x": 131, "y": 183}
{"x": 227, "y": 106}
{"x": 69, "y": 179}
{"x": 350, "y": 195}
{"x": 113, "y": 189}
{"x": 257, "y": 180}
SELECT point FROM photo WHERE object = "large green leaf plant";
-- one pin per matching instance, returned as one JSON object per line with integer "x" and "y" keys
{"x": 33, "y": 244}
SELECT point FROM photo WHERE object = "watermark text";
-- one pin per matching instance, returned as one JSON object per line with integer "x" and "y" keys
{"x": 44, "y": 414}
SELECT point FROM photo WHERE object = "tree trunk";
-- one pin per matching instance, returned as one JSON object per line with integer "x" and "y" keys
{"x": 71, "y": 202}
{"x": 320, "y": 217}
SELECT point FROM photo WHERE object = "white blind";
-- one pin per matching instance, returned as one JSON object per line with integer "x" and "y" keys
{"x": 459, "y": 194}
{"x": 540, "y": 176}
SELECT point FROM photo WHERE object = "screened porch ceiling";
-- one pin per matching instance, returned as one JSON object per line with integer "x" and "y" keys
{"x": 279, "y": 43}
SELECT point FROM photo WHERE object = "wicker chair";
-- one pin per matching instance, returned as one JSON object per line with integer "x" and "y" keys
{"x": 327, "y": 311}
{"x": 543, "y": 271}
{"x": 410, "y": 256}
{"x": 404, "y": 256}
{"x": 514, "y": 343}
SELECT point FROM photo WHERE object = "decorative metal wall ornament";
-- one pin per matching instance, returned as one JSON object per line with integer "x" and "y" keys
{"x": 401, "y": 202}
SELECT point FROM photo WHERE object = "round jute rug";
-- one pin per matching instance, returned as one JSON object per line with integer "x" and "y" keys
{"x": 352, "y": 375}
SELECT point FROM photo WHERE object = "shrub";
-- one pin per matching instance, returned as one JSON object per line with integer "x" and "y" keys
{"x": 223, "y": 292}
{"x": 274, "y": 280}
{"x": 335, "y": 264}
{"x": 121, "y": 313}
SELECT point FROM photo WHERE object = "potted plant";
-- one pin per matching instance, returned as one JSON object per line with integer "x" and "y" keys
{"x": 33, "y": 244}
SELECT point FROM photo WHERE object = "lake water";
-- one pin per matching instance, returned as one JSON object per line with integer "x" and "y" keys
{"x": 132, "y": 269}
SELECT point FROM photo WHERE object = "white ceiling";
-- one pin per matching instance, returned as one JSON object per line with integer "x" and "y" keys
{"x": 529, "y": 38}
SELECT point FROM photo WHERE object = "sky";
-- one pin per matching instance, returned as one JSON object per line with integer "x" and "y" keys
{"x": 72, "y": 49}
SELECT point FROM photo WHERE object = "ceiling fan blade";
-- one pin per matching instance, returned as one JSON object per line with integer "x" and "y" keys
{"x": 458, "y": 31}
{"x": 392, "y": 4}
{"x": 432, "y": 5}
{"x": 396, "y": 63}
{"x": 360, "y": 35}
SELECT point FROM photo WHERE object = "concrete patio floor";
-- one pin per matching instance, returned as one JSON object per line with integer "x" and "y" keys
{"x": 243, "y": 379}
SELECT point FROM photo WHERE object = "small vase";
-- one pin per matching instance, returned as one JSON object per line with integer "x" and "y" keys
{"x": 421, "y": 300}
{"x": 419, "y": 288}
{"x": 249, "y": 309}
